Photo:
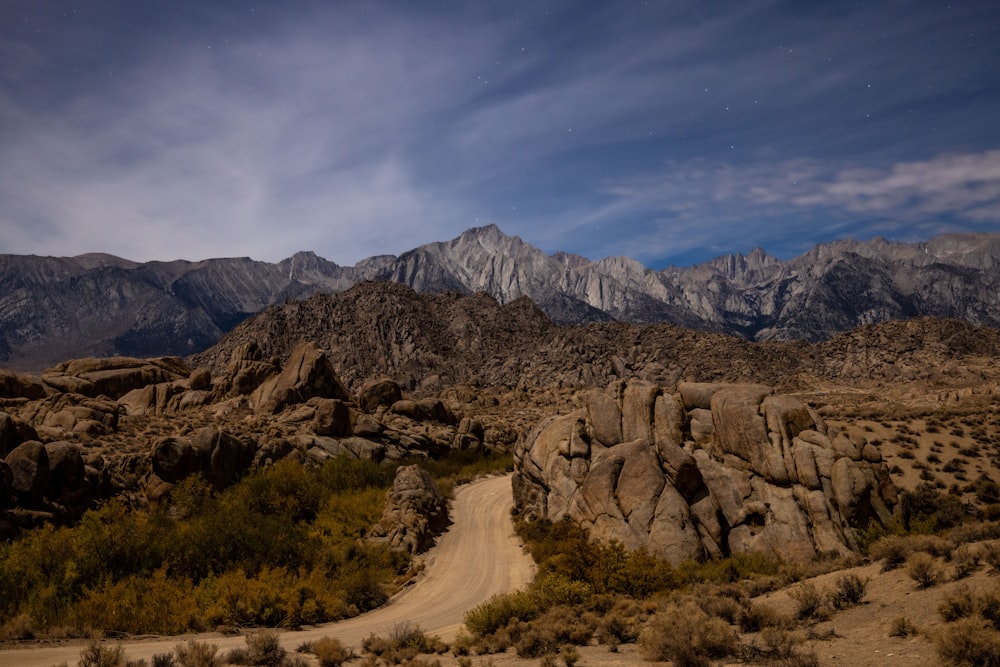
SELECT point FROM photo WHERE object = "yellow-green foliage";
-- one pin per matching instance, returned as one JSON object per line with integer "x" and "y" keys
{"x": 564, "y": 549}
{"x": 278, "y": 548}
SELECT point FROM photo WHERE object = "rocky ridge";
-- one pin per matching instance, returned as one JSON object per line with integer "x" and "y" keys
{"x": 430, "y": 341}
{"x": 98, "y": 305}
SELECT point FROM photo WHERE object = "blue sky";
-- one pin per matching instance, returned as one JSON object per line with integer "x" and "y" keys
{"x": 670, "y": 132}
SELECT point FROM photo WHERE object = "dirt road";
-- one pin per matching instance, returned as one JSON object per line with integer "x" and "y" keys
{"x": 478, "y": 557}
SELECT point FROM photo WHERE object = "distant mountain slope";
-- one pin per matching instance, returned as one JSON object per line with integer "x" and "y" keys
{"x": 52, "y": 309}
{"x": 439, "y": 340}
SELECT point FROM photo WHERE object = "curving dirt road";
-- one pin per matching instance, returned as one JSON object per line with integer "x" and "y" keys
{"x": 478, "y": 557}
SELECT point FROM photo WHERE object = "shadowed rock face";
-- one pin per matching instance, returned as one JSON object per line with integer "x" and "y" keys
{"x": 714, "y": 470}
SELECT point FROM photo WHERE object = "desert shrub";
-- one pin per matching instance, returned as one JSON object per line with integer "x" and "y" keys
{"x": 809, "y": 601}
{"x": 923, "y": 569}
{"x": 498, "y": 611}
{"x": 237, "y": 656}
{"x": 927, "y": 510}
{"x": 958, "y": 604}
{"x": 686, "y": 635}
{"x": 404, "y": 643}
{"x": 157, "y": 603}
{"x": 570, "y": 656}
{"x": 894, "y": 550}
{"x": 966, "y": 560}
{"x": 330, "y": 652}
{"x": 735, "y": 568}
{"x": 563, "y": 548}
{"x": 264, "y": 649}
{"x": 20, "y": 627}
{"x": 901, "y": 627}
{"x": 621, "y": 623}
{"x": 101, "y": 655}
{"x": 975, "y": 532}
{"x": 757, "y": 616}
{"x": 164, "y": 660}
{"x": 969, "y": 642}
{"x": 849, "y": 590}
{"x": 990, "y": 553}
{"x": 987, "y": 491}
{"x": 555, "y": 589}
{"x": 535, "y": 642}
{"x": 197, "y": 654}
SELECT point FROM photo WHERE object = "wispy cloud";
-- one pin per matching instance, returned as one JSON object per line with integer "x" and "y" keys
{"x": 699, "y": 203}
{"x": 202, "y": 129}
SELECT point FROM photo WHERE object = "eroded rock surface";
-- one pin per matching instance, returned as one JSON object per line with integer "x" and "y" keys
{"x": 712, "y": 470}
{"x": 415, "y": 512}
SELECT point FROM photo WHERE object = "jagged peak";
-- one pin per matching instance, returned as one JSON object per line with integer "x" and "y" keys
{"x": 490, "y": 237}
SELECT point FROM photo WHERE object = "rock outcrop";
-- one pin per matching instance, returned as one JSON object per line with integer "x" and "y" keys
{"x": 712, "y": 470}
{"x": 415, "y": 512}
{"x": 306, "y": 374}
{"x": 216, "y": 454}
{"x": 113, "y": 377}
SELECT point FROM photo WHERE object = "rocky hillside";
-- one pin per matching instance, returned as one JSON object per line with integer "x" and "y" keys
{"x": 429, "y": 341}
{"x": 52, "y": 309}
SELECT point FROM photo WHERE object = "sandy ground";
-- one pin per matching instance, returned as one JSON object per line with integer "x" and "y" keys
{"x": 476, "y": 558}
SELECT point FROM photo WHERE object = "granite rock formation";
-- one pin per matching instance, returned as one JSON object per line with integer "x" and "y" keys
{"x": 712, "y": 470}
{"x": 415, "y": 512}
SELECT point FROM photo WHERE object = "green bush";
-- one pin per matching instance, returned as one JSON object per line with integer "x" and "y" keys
{"x": 494, "y": 614}
{"x": 280, "y": 547}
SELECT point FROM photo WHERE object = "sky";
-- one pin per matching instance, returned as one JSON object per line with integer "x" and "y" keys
{"x": 671, "y": 132}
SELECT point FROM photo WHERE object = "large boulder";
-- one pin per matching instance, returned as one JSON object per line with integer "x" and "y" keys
{"x": 379, "y": 392}
{"x": 425, "y": 409}
{"x": 226, "y": 457}
{"x": 222, "y": 458}
{"x": 67, "y": 483}
{"x": 248, "y": 370}
{"x": 174, "y": 459}
{"x": 13, "y": 385}
{"x": 332, "y": 417}
{"x": 415, "y": 512}
{"x": 29, "y": 466}
{"x": 308, "y": 373}
{"x": 9, "y": 436}
{"x": 6, "y": 484}
{"x": 114, "y": 376}
{"x": 713, "y": 470}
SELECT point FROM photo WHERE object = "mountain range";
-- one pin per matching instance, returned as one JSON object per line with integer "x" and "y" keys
{"x": 52, "y": 309}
